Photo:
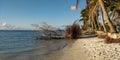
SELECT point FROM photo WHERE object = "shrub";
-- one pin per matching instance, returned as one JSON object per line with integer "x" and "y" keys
{"x": 73, "y": 31}
{"x": 68, "y": 30}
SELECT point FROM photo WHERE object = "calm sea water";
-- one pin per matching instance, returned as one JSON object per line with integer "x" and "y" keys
{"x": 22, "y": 45}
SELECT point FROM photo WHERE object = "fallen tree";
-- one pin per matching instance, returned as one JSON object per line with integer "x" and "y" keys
{"x": 73, "y": 31}
{"x": 48, "y": 31}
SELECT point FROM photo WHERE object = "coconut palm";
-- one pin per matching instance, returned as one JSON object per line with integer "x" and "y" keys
{"x": 93, "y": 13}
{"x": 114, "y": 8}
{"x": 84, "y": 18}
{"x": 103, "y": 22}
{"x": 112, "y": 28}
{"x": 77, "y": 2}
{"x": 94, "y": 5}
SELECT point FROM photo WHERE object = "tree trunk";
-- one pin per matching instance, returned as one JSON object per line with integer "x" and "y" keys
{"x": 112, "y": 28}
{"x": 77, "y": 2}
{"x": 103, "y": 22}
{"x": 94, "y": 22}
{"x": 97, "y": 21}
{"x": 92, "y": 25}
{"x": 99, "y": 26}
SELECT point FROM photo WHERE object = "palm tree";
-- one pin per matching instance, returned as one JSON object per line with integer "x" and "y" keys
{"x": 89, "y": 16}
{"x": 97, "y": 20}
{"x": 77, "y": 2}
{"x": 93, "y": 13}
{"x": 112, "y": 7}
{"x": 112, "y": 28}
{"x": 103, "y": 22}
{"x": 84, "y": 18}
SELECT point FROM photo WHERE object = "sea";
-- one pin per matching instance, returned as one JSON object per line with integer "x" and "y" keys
{"x": 23, "y": 45}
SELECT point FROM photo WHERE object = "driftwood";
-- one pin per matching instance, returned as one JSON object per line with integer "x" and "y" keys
{"x": 49, "y": 32}
{"x": 73, "y": 31}
{"x": 47, "y": 38}
{"x": 108, "y": 39}
{"x": 101, "y": 34}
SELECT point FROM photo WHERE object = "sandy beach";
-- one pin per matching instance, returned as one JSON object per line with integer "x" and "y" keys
{"x": 86, "y": 49}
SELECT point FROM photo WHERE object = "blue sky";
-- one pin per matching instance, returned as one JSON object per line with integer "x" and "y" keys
{"x": 26, "y": 12}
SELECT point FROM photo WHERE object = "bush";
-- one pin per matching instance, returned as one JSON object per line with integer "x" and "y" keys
{"x": 68, "y": 30}
{"x": 73, "y": 31}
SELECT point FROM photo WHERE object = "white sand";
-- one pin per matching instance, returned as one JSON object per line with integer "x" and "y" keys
{"x": 91, "y": 49}
{"x": 88, "y": 49}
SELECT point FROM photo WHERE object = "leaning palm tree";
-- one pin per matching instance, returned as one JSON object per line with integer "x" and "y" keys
{"x": 112, "y": 28}
{"x": 77, "y": 2}
{"x": 93, "y": 4}
{"x": 92, "y": 13}
{"x": 84, "y": 19}
{"x": 114, "y": 8}
{"x": 103, "y": 22}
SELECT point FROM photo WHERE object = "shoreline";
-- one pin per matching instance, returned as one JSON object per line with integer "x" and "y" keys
{"x": 80, "y": 49}
{"x": 92, "y": 49}
{"x": 88, "y": 49}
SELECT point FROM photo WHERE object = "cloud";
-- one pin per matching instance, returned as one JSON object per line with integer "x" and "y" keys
{"x": 2, "y": 24}
{"x": 5, "y": 26}
{"x": 73, "y": 8}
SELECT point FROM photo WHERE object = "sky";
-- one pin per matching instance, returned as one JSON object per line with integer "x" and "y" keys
{"x": 23, "y": 13}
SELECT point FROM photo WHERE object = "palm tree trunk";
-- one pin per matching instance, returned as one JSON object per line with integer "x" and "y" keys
{"x": 92, "y": 25}
{"x": 94, "y": 22}
{"x": 112, "y": 28}
{"x": 103, "y": 22}
{"x": 98, "y": 25}
{"x": 97, "y": 20}
{"x": 77, "y": 2}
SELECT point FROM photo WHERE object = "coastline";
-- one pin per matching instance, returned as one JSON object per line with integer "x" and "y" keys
{"x": 92, "y": 49}
{"x": 88, "y": 49}
{"x": 80, "y": 49}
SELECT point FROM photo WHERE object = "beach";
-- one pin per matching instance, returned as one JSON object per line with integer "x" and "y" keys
{"x": 86, "y": 49}
{"x": 59, "y": 29}
{"x": 21, "y": 45}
